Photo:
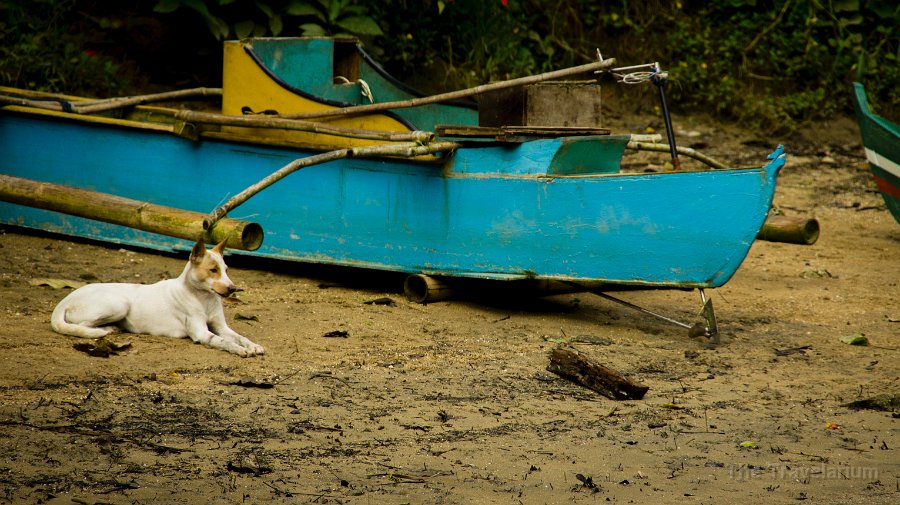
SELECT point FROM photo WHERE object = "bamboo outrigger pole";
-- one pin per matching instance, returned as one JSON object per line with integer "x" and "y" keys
{"x": 306, "y": 126}
{"x": 114, "y": 209}
{"x": 78, "y": 106}
{"x": 410, "y": 150}
{"x": 453, "y": 95}
{"x": 687, "y": 151}
{"x": 92, "y": 106}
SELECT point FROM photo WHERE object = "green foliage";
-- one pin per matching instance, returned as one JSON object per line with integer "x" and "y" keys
{"x": 473, "y": 42}
{"x": 770, "y": 64}
{"x": 229, "y": 17}
{"x": 774, "y": 64}
{"x": 257, "y": 18}
{"x": 334, "y": 17}
{"x": 40, "y": 51}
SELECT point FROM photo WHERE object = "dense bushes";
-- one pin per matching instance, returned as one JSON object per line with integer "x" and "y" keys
{"x": 767, "y": 63}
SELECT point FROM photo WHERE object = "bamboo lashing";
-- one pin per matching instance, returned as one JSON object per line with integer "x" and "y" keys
{"x": 114, "y": 209}
{"x": 410, "y": 150}
{"x": 453, "y": 95}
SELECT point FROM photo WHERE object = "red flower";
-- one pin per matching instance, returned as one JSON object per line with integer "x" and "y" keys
{"x": 505, "y": 3}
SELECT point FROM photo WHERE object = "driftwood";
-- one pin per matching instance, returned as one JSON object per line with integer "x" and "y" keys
{"x": 790, "y": 229}
{"x": 114, "y": 209}
{"x": 453, "y": 95}
{"x": 578, "y": 368}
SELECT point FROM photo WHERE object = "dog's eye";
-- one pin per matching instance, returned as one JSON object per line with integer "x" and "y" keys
{"x": 214, "y": 270}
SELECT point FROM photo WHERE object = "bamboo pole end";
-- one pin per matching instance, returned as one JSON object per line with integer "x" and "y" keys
{"x": 242, "y": 235}
{"x": 421, "y": 288}
{"x": 790, "y": 229}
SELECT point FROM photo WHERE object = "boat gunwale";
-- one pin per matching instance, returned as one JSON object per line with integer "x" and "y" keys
{"x": 862, "y": 103}
{"x": 162, "y": 126}
{"x": 157, "y": 126}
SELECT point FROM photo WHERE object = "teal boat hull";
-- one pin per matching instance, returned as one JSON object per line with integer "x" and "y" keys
{"x": 881, "y": 140}
{"x": 494, "y": 211}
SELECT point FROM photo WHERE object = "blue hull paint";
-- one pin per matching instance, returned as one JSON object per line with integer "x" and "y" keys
{"x": 486, "y": 212}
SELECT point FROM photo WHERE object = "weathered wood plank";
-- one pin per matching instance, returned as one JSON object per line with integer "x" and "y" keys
{"x": 577, "y": 367}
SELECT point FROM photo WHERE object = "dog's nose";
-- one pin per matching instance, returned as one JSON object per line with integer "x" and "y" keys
{"x": 230, "y": 289}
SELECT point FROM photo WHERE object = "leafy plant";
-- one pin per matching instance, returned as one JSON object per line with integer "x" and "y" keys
{"x": 780, "y": 63}
{"x": 770, "y": 64}
{"x": 333, "y": 17}
{"x": 243, "y": 22}
{"x": 40, "y": 51}
{"x": 257, "y": 18}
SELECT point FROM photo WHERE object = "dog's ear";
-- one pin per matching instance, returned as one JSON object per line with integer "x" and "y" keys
{"x": 198, "y": 251}
{"x": 220, "y": 247}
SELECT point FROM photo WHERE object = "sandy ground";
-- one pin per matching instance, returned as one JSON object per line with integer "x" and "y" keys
{"x": 451, "y": 402}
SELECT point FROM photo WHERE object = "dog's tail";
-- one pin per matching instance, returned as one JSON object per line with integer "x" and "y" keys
{"x": 60, "y": 325}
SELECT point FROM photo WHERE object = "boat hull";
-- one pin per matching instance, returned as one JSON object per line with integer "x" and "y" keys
{"x": 881, "y": 140}
{"x": 489, "y": 211}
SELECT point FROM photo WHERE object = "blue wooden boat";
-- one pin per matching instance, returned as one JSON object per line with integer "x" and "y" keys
{"x": 881, "y": 140}
{"x": 517, "y": 205}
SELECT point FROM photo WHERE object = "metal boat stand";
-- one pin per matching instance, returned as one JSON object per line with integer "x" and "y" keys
{"x": 710, "y": 329}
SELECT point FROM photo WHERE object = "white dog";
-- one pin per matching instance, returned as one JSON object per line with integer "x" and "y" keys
{"x": 187, "y": 306}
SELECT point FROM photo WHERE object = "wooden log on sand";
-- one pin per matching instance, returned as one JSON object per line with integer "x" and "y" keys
{"x": 577, "y": 367}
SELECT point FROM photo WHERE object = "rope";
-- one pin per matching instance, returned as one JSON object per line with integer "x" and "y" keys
{"x": 363, "y": 87}
{"x": 366, "y": 91}
{"x": 639, "y": 76}
{"x": 634, "y": 77}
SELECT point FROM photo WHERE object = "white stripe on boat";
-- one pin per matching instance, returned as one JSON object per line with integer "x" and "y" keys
{"x": 883, "y": 163}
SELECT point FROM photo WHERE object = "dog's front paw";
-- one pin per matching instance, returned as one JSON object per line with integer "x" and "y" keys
{"x": 254, "y": 349}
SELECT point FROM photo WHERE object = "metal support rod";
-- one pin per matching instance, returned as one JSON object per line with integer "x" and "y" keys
{"x": 659, "y": 78}
{"x": 709, "y": 330}
{"x": 641, "y": 309}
